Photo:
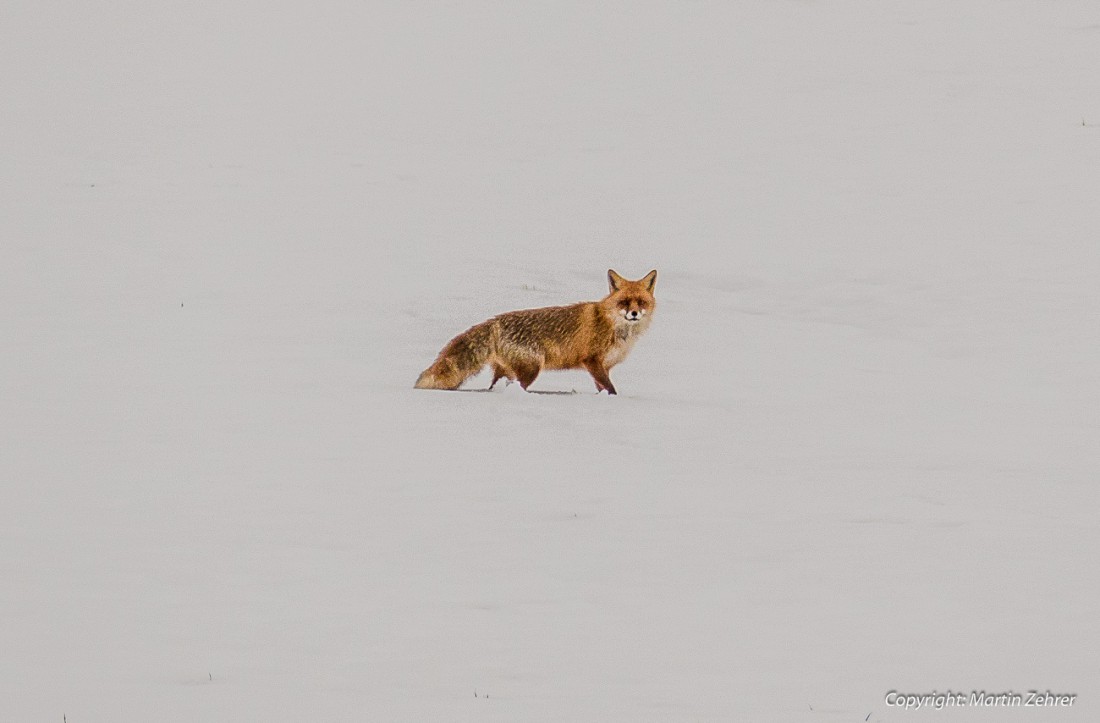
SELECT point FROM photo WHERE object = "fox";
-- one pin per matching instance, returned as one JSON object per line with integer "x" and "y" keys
{"x": 519, "y": 345}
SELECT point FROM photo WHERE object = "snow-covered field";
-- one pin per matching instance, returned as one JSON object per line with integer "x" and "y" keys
{"x": 857, "y": 452}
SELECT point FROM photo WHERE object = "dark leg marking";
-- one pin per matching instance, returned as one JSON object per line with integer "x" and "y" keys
{"x": 525, "y": 375}
{"x": 598, "y": 371}
{"x": 498, "y": 372}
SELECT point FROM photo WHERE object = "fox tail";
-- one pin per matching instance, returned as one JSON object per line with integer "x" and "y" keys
{"x": 463, "y": 357}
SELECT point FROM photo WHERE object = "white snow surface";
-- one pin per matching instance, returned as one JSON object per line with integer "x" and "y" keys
{"x": 858, "y": 450}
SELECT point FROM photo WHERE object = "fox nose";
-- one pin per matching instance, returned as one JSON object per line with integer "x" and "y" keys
{"x": 632, "y": 314}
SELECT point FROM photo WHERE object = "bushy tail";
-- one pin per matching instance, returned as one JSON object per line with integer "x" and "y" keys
{"x": 463, "y": 357}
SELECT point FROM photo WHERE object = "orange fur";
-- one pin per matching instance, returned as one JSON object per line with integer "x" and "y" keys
{"x": 594, "y": 335}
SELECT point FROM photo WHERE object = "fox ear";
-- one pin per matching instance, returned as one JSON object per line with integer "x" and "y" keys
{"x": 614, "y": 280}
{"x": 650, "y": 280}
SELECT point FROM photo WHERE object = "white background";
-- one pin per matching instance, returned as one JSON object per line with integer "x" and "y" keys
{"x": 857, "y": 450}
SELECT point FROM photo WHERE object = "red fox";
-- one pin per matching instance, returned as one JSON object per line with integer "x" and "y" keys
{"x": 594, "y": 335}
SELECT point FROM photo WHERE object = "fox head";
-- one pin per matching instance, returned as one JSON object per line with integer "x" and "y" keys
{"x": 630, "y": 302}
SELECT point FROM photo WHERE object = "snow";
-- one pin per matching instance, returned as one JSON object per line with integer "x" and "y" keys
{"x": 857, "y": 450}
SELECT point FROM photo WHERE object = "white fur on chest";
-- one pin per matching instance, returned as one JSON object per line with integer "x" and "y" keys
{"x": 626, "y": 333}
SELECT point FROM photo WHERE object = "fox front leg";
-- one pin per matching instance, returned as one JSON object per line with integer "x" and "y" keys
{"x": 599, "y": 373}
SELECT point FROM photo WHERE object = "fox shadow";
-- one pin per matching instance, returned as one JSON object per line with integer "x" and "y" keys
{"x": 529, "y": 391}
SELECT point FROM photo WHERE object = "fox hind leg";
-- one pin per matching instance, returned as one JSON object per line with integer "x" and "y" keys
{"x": 498, "y": 372}
{"x": 526, "y": 374}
